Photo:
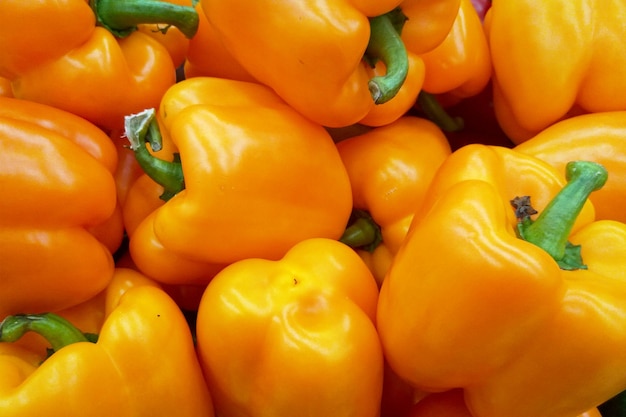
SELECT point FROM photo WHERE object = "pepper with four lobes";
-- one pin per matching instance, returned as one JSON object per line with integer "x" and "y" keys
{"x": 56, "y": 172}
{"x": 551, "y": 61}
{"x": 254, "y": 178}
{"x": 487, "y": 290}
{"x": 294, "y": 336}
{"x": 89, "y": 58}
{"x": 390, "y": 168}
{"x": 143, "y": 362}
{"x": 317, "y": 52}
{"x": 597, "y": 137}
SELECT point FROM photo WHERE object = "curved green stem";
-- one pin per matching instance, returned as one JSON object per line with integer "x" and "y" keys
{"x": 122, "y": 17}
{"x": 141, "y": 128}
{"x": 362, "y": 232}
{"x": 437, "y": 114}
{"x": 385, "y": 44}
{"x": 551, "y": 229}
{"x": 55, "y": 329}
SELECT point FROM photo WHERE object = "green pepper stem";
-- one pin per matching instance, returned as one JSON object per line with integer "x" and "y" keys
{"x": 362, "y": 232}
{"x": 551, "y": 229}
{"x": 122, "y": 17}
{"x": 55, "y": 329}
{"x": 437, "y": 114}
{"x": 143, "y": 127}
{"x": 385, "y": 44}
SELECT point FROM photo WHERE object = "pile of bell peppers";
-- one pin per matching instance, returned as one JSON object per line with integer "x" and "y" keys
{"x": 393, "y": 208}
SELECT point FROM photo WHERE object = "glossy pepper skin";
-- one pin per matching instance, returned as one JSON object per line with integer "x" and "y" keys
{"x": 305, "y": 342}
{"x": 316, "y": 51}
{"x": 56, "y": 176}
{"x": 143, "y": 363}
{"x": 390, "y": 168}
{"x": 535, "y": 87}
{"x": 89, "y": 316}
{"x": 595, "y": 137}
{"x": 428, "y": 23}
{"x": 258, "y": 178}
{"x": 423, "y": 27}
{"x": 70, "y": 61}
{"x": 460, "y": 65}
{"x": 505, "y": 304}
{"x": 208, "y": 57}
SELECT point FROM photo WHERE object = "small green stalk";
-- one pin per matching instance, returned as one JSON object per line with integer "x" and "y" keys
{"x": 142, "y": 128}
{"x": 122, "y": 17}
{"x": 362, "y": 232}
{"x": 55, "y": 329}
{"x": 386, "y": 45}
{"x": 437, "y": 114}
{"x": 551, "y": 229}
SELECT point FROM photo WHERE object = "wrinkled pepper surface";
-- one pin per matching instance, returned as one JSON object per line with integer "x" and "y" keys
{"x": 390, "y": 168}
{"x": 56, "y": 174}
{"x": 487, "y": 290}
{"x": 597, "y": 137}
{"x": 91, "y": 62}
{"x": 305, "y": 340}
{"x": 255, "y": 177}
{"x": 143, "y": 363}
{"x": 551, "y": 61}
{"x": 317, "y": 52}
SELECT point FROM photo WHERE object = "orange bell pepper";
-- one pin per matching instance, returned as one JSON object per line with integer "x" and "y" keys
{"x": 139, "y": 194}
{"x": 175, "y": 40}
{"x": 93, "y": 63}
{"x": 89, "y": 316}
{"x": 208, "y": 57}
{"x": 457, "y": 69}
{"x": 551, "y": 62}
{"x": 143, "y": 363}
{"x": 390, "y": 169}
{"x": 452, "y": 404}
{"x": 428, "y": 23}
{"x": 305, "y": 342}
{"x": 597, "y": 137}
{"x": 316, "y": 52}
{"x": 460, "y": 65}
{"x": 519, "y": 292}
{"x": 57, "y": 178}
{"x": 391, "y": 110}
{"x": 254, "y": 178}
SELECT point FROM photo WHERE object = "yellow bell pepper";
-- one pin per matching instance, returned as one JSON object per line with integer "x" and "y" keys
{"x": 597, "y": 137}
{"x": 254, "y": 178}
{"x": 506, "y": 307}
{"x": 390, "y": 169}
{"x": 312, "y": 53}
{"x": 143, "y": 363}
{"x": 294, "y": 336}
{"x": 554, "y": 60}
